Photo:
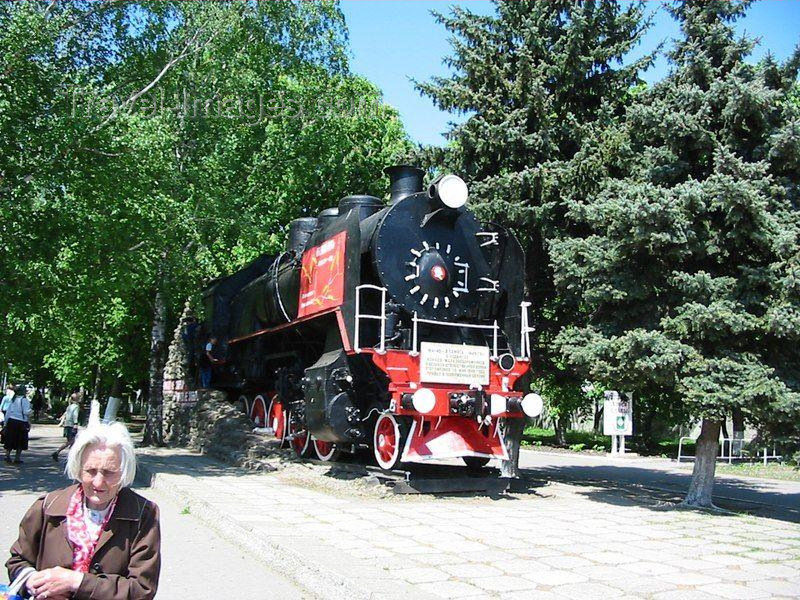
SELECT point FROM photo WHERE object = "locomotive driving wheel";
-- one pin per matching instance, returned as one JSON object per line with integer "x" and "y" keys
{"x": 276, "y": 419}
{"x": 326, "y": 451}
{"x": 258, "y": 411}
{"x": 388, "y": 441}
{"x": 298, "y": 436}
{"x": 244, "y": 403}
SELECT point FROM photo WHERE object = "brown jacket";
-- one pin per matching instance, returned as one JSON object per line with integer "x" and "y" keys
{"x": 126, "y": 562}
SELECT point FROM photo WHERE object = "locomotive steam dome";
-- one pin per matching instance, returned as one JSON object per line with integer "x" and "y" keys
{"x": 426, "y": 251}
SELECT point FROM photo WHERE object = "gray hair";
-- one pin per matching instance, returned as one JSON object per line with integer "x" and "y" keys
{"x": 113, "y": 435}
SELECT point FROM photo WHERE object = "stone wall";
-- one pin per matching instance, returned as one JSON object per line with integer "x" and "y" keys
{"x": 180, "y": 386}
{"x": 220, "y": 429}
{"x": 205, "y": 420}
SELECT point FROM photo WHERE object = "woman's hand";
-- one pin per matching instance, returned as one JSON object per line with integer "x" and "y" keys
{"x": 55, "y": 583}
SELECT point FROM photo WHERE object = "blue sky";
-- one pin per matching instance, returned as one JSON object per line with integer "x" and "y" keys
{"x": 394, "y": 41}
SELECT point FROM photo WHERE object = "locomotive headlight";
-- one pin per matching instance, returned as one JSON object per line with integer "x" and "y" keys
{"x": 532, "y": 405}
{"x": 498, "y": 404}
{"x": 423, "y": 400}
{"x": 450, "y": 190}
{"x": 507, "y": 362}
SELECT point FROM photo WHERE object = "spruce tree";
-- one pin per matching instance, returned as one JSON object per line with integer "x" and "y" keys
{"x": 688, "y": 262}
{"x": 534, "y": 78}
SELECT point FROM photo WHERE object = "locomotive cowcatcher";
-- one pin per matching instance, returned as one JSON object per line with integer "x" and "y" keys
{"x": 397, "y": 327}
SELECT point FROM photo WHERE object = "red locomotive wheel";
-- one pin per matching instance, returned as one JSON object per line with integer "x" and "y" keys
{"x": 327, "y": 451}
{"x": 300, "y": 440}
{"x": 244, "y": 404}
{"x": 387, "y": 443}
{"x": 276, "y": 418}
{"x": 258, "y": 411}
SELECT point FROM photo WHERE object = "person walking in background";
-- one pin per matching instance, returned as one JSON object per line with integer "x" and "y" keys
{"x": 6, "y": 398}
{"x": 37, "y": 403}
{"x": 17, "y": 424}
{"x": 4, "y": 403}
{"x": 69, "y": 421}
{"x": 97, "y": 538}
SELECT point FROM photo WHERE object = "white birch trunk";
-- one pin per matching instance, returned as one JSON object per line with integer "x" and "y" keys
{"x": 153, "y": 434}
{"x": 705, "y": 463}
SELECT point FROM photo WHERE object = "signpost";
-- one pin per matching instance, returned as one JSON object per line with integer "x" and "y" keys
{"x": 617, "y": 419}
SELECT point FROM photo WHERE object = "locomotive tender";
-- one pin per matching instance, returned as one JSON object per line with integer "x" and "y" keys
{"x": 398, "y": 327}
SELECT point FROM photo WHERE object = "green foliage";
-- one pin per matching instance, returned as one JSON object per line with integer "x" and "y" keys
{"x": 685, "y": 255}
{"x": 152, "y": 146}
{"x": 563, "y": 397}
{"x": 577, "y": 441}
{"x": 537, "y": 78}
{"x": 58, "y": 406}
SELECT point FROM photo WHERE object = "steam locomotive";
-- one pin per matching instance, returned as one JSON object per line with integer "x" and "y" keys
{"x": 396, "y": 327}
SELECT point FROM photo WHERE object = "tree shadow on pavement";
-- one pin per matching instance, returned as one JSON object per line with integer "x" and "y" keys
{"x": 33, "y": 476}
{"x": 192, "y": 465}
{"x": 632, "y": 486}
{"x": 38, "y": 473}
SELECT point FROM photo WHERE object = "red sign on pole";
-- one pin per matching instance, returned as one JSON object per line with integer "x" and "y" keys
{"x": 322, "y": 276}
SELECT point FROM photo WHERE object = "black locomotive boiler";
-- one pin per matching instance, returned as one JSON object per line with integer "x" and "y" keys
{"x": 400, "y": 327}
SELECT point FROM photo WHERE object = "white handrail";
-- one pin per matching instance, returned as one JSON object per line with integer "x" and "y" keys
{"x": 680, "y": 445}
{"x": 381, "y": 317}
{"x": 524, "y": 331}
{"x": 416, "y": 320}
{"x": 494, "y": 327}
{"x": 730, "y": 442}
{"x": 729, "y": 457}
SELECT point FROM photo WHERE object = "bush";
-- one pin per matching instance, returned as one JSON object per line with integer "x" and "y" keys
{"x": 536, "y": 436}
{"x": 58, "y": 406}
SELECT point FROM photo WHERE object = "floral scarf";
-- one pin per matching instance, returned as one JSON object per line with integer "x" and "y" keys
{"x": 83, "y": 538}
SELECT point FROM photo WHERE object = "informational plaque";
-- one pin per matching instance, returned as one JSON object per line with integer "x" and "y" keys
{"x": 454, "y": 363}
{"x": 617, "y": 414}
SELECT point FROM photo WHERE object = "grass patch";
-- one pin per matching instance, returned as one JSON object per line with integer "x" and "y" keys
{"x": 669, "y": 448}
{"x": 588, "y": 441}
{"x": 578, "y": 441}
{"x": 768, "y": 471}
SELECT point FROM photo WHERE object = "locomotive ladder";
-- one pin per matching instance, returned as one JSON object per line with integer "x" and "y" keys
{"x": 381, "y": 317}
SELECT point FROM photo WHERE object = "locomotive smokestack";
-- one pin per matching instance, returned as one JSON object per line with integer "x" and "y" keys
{"x": 405, "y": 179}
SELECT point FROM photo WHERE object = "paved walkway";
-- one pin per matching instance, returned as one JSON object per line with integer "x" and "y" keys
{"x": 761, "y": 497}
{"x": 553, "y": 540}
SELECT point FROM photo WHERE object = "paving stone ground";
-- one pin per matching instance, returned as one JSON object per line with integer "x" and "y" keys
{"x": 555, "y": 541}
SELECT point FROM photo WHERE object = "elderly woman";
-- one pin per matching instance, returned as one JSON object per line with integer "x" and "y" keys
{"x": 96, "y": 539}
